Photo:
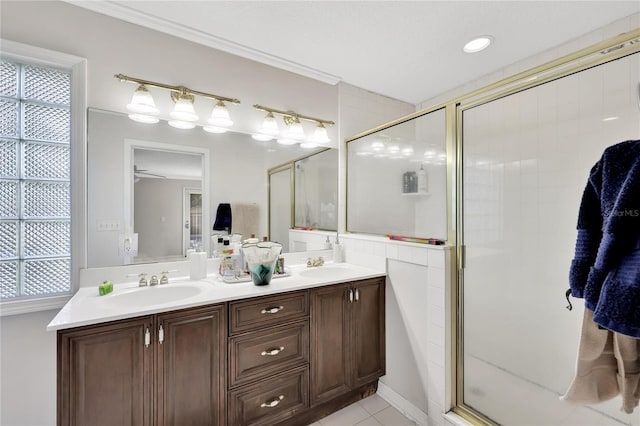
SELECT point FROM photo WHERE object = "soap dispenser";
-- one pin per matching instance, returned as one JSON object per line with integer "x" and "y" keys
{"x": 338, "y": 255}
{"x": 327, "y": 244}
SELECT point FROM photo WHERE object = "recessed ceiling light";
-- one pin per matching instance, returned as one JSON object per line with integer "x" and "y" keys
{"x": 478, "y": 44}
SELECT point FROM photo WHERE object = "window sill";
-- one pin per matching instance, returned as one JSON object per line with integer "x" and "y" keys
{"x": 16, "y": 307}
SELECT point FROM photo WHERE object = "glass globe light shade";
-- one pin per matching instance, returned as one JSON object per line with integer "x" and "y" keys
{"x": 142, "y": 101}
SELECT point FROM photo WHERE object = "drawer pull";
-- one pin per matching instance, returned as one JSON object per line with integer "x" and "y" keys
{"x": 272, "y": 403}
{"x": 272, "y": 352}
{"x": 273, "y": 310}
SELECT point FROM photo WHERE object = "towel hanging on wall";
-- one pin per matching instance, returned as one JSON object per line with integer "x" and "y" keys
{"x": 608, "y": 365}
{"x": 246, "y": 219}
{"x": 223, "y": 218}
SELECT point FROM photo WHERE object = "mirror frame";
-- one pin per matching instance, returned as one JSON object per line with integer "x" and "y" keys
{"x": 128, "y": 193}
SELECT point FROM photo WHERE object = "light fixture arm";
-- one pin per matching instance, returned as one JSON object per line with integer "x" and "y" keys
{"x": 293, "y": 115}
{"x": 179, "y": 89}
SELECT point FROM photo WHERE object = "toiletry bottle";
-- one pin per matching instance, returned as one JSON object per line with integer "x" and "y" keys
{"x": 338, "y": 255}
{"x": 280, "y": 265}
{"x": 327, "y": 244}
{"x": 422, "y": 180}
{"x": 226, "y": 248}
{"x": 413, "y": 182}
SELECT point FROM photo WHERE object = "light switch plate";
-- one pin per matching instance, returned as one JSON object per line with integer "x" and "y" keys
{"x": 108, "y": 225}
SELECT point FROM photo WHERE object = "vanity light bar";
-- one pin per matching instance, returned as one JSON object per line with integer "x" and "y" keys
{"x": 176, "y": 89}
{"x": 293, "y": 115}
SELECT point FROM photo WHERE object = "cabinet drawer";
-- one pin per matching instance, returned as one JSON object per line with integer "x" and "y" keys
{"x": 271, "y": 400}
{"x": 263, "y": 311}
{"x": 261, "y": 353}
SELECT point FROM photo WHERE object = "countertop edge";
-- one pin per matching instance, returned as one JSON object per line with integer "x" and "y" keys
{"x": 58, "y": 324}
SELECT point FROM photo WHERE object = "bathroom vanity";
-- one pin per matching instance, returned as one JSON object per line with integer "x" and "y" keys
{"x": 288, "y": 353}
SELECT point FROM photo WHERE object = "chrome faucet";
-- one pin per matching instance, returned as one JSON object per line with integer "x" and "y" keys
{"x": 319, "y": 261}
{"x": 154, "y": 280}
{"x": 163, "y": 278}
{"x": 143, "y": 280}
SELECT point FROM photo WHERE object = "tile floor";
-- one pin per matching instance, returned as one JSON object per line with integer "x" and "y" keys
{"x": 372, "y": 411}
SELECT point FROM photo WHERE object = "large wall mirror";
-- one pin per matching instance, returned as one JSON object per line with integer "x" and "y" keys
{"x": 165, "y": 186}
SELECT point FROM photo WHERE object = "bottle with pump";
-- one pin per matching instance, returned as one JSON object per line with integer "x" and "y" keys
{"x": 327, "y": 244}
{"x": 338, "y": 254}
{"x": 422, "y": 180}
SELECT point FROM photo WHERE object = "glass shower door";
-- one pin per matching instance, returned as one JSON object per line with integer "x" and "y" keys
{"x": 526, "y": 158}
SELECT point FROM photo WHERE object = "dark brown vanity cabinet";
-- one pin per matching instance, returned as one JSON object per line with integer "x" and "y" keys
{"x": 165, "y": 369}
{"x": 285, "y": 359}
{"x": 347, "y": 337}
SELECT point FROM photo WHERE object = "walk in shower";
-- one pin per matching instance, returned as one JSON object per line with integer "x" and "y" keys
{"x": 525, "y": 161}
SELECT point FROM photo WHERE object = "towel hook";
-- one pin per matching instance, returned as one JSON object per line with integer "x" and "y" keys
{"x": 567, "y": 294}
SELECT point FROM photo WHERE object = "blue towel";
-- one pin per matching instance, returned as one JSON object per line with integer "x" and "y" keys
{"x": 606, "y": 268}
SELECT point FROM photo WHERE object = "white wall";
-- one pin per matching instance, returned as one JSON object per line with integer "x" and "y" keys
{"x": 27, "y": 395}
{"x": 27, "y": 370}
{"x": 112, "y": 46}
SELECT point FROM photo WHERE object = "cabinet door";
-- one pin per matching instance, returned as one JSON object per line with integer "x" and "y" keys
{"x": 329, "y": 342}
{"x": 190, "y": 370}
{"x": 105, "y": 374}
{"x": 368, "y": 330}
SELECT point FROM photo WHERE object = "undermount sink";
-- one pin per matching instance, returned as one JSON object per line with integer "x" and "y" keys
{"x": 326, "y": 272}
{"x": 155, "y": 295}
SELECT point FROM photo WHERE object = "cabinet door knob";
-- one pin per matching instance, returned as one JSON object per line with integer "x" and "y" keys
{"x": 147, "y": 337}
{"x": 272, "y": 352}
{"x": 350, "y": 295}
{"x": 272, "y": 403}
{"x": 357, "y": 295}
{"x": 273, "y": 310}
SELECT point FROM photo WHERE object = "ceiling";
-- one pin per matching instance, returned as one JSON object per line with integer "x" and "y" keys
{"x": 407, "y": 50}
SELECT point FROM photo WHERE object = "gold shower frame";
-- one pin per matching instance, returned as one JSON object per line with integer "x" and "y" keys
{"x": 609, "y": 50}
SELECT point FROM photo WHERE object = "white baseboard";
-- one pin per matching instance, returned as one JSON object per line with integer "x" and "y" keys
{"x": 398, "y": 402}
{"x": 452, "y": 419}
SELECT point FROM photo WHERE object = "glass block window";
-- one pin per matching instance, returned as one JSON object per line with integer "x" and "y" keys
{"x": 35, "y": 184}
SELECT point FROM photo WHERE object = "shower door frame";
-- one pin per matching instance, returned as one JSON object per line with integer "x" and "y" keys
{"x": 615, "y": 48}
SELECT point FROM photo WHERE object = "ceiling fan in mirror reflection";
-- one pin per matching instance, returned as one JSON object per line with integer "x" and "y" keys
{"x": 145, "y": 173}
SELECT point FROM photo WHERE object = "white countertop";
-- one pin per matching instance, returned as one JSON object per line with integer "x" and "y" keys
{"x": 86, "y": 307}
